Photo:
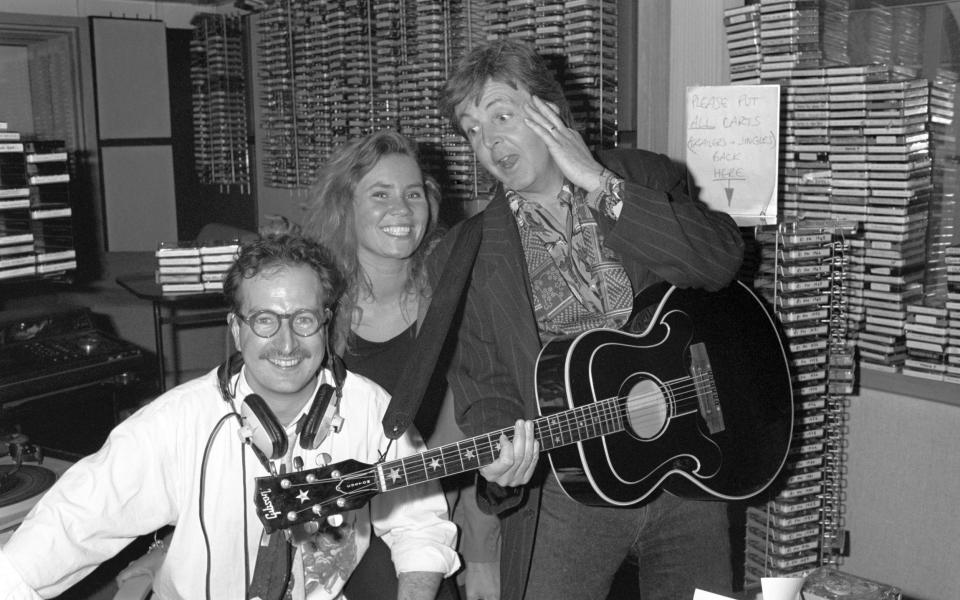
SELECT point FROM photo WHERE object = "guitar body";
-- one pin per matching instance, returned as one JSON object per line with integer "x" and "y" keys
{"x": 704, "y": 393}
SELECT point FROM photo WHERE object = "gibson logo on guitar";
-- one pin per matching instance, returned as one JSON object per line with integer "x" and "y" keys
{"x": 699, "y": 404}
{"x": 267, "y": 511}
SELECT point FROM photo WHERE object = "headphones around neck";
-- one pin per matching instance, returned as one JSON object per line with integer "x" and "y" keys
{"x": 264, "y": 431}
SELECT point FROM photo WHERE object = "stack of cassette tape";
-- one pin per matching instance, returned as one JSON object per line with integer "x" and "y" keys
{"x": 769, "y": 40}
{"x": 802, "y": 274}
{"x": 789, "y": 37}
{"x": 36, "y": 212}
{"x": 466, "y": 185}
{"x": 51, "y": 209}
{"x": 278, "y": 94}
{"x": 590, "y": 45}
{"x": 895, "y": 34}
{"x": 926, "y": 329}
{"x": 945, "y": 159}
{"x": 881, "y": 164}
{"x": 192, "y": 267}
{"x": 178, "y": 268}
{"x": 742, "y": 29}
{"x": 17, "y": 252}
{"x": 218, "y": 80}
{"x": 332, "y": 70}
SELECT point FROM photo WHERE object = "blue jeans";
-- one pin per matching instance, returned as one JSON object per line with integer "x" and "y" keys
{"x": 679, "y": 545}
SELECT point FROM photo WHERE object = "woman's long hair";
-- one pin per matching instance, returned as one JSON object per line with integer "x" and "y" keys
{"x": 329, "y": 218}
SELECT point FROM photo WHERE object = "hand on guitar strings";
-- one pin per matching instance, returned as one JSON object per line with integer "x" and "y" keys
{"x": 517, "y": 459}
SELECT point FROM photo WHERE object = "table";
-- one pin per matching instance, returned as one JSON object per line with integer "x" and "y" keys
{"x": 145, "y": 287}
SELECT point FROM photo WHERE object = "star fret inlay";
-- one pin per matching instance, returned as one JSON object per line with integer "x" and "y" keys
{"x": 394, "y": 474}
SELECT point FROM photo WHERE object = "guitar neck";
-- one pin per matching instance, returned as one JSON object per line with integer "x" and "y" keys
{"x": 553, "y": 431}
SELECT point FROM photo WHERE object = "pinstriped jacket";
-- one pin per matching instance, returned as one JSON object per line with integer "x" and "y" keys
{"x": 661, "y": 235}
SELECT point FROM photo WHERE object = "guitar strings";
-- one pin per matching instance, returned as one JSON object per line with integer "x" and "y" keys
{"x": 607, "y": 412}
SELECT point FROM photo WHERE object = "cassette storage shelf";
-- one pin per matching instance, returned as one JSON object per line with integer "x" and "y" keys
{"x": 220, "y": 111}
{"x": 36, "y": 211}
{"x": 331, "y": 70}
{"x": 803, "y": 275}
{"x": 870, "y": 141}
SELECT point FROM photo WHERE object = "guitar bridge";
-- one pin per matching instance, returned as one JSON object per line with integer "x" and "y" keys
{"x": 707, "y": 397}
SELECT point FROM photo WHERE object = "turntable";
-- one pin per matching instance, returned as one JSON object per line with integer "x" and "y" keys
{"x": 25, "y": 474}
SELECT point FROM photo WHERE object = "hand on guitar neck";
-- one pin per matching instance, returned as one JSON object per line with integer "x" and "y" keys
{"x": 517, "y": 459}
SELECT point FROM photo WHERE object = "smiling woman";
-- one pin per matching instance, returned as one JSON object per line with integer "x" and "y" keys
{"x": 375, "y": 210}
{"x": 372, "y": 207}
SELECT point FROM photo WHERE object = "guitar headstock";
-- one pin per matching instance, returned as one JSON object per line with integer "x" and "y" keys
{"x": 302, "y": 496}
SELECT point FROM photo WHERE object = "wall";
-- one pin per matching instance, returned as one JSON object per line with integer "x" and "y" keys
{"x": 17, "y": 111}
{"x": 903, "y": 483}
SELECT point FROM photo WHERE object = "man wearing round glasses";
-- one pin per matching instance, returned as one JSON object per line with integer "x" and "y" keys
{"x": 277, "y": 321}
{"x": 191, "y": 459}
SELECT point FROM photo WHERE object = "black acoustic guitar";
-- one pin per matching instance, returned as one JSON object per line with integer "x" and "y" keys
{"x": 694, "y": 397}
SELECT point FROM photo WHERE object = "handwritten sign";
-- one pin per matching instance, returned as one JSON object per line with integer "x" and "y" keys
{"x": 732, "y": 142}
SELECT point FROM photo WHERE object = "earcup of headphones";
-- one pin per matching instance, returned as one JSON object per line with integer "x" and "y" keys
{"x": 266, "y": 432}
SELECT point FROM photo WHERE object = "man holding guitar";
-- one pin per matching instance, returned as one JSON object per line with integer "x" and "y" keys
{"x": 567, "y": 242}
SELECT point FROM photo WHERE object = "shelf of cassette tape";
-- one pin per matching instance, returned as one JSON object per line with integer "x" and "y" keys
{"x": 36, "y": 212}
{"x": 331, "y": 70}
{"x": 218, "y": 80}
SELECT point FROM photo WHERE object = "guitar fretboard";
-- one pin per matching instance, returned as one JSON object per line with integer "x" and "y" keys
{"x": 553, "y": 431}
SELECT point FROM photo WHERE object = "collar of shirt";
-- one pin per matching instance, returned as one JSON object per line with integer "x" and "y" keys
{"x": 569, "y": 196}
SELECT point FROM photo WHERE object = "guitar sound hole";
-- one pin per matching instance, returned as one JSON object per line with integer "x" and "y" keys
{"x": 646, "y": 409}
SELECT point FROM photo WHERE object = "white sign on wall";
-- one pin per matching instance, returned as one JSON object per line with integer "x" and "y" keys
{"x": 732, "y": 149}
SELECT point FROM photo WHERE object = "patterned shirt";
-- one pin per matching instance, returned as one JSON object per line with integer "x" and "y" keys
{"x": 578, "y": 284}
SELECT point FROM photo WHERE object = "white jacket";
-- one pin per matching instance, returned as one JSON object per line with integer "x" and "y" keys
{"x": 149, "y": 474}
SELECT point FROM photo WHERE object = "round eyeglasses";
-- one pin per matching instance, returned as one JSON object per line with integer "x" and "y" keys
{"x": 304, "y": 322}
